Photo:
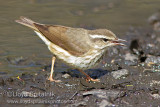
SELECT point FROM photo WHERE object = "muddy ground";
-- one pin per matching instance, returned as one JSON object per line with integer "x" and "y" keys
{"x": 130, "y": 76}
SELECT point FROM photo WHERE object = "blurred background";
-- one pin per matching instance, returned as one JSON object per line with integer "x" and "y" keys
{"x": 18, "y": 42}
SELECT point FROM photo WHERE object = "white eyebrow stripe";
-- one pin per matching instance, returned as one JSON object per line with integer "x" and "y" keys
{"x": 97, "y": 36}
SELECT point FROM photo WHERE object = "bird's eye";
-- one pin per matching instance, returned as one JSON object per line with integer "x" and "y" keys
{"x": 105, "y": 39}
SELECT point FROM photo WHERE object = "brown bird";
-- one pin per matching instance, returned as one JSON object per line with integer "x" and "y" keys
{"x": 78, "y": 47}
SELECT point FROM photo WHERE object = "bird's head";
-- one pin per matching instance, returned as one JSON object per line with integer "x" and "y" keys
{"x": 103, "y": 38}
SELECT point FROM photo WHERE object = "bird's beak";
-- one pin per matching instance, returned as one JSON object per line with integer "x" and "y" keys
{"x": 118, "y": 42}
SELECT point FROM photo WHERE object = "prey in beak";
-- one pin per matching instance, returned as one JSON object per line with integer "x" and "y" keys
{"x": 118, "y": 42}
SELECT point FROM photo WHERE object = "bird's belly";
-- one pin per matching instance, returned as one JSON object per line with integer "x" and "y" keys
{"x": 86, "y": 61}
{"x": 83, "y": 62}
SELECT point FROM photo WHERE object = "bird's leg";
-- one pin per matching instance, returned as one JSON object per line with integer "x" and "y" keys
{"x": 52, "y": 70}
{"x": 88, "y": 78}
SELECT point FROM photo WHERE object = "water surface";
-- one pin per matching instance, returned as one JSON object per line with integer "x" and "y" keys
{"x": 17, "y": 40}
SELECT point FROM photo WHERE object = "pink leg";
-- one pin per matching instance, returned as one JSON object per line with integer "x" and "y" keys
{"x": 88, "y": 78}
{"x": 52, "y": 71}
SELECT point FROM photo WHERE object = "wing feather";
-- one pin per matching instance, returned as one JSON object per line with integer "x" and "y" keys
{"x": 64, "y": 37}
{"x": 73, "y": 40}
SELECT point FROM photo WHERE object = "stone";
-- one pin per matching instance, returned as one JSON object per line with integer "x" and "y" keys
{"x": 130, "y": 57}
{"x": 103, "y": 94}
{"x": 66, "y": 76}
{"x": 154, "y": 18}
{"x": 156, "y": 96}
{"x": 152, "y": 59}
{"x": 120, "y": 73}
{"x": 105, "y": 103}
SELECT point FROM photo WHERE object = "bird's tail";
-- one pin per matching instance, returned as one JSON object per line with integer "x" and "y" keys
{"x": 27, "y": 22}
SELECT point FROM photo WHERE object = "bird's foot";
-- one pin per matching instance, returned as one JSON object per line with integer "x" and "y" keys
{"x": 91, "y": 79}
{"x": 53, "y": 80}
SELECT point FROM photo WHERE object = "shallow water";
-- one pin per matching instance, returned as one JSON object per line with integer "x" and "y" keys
{"x": 17, "y": 40}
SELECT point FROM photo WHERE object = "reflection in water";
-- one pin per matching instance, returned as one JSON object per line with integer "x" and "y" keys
{"x": 16, "y": 40}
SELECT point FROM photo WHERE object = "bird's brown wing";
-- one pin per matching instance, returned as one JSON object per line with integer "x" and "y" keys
{"x": 64, "y": 37}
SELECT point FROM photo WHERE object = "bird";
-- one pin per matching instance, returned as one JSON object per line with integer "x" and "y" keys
{"x": 78, "y": 47}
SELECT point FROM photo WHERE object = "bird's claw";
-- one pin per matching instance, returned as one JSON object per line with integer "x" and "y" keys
{"x": 53, "y": 80}
{"x": 91, "y": 79}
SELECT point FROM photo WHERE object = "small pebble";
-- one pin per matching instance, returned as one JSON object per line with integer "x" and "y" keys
{"x": 156, "y": 96}
{"x": 130, "y": 57}
{"x": 66, "y": 76}
{"x": 152, "y": 59}
{"x": 120, "y": 73}
{"x": 105, "y": 103}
